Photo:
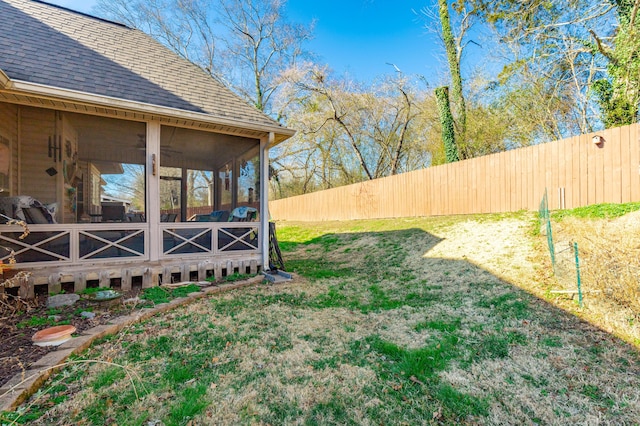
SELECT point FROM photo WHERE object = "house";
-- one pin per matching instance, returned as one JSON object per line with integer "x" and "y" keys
{"x": 92, "y": 111}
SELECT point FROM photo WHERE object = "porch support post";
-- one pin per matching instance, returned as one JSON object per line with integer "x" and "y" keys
{"x": 264, "y": 198}
{"x": 235, "y": 179}
{"x": 183, "y": 195}
{"x": 153, "y": 189}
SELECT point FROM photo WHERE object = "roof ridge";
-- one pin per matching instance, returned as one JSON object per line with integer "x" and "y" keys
{"x": 66, "y": 9}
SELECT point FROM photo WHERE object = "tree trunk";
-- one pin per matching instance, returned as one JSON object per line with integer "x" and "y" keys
{"x": 454, "y": 68}
{"x": 446, "y": 120}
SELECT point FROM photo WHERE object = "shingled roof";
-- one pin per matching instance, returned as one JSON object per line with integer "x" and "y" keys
{"x": 56, "y": 47}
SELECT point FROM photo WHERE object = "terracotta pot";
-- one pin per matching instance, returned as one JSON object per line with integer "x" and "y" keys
{"x": 53, "y": 336}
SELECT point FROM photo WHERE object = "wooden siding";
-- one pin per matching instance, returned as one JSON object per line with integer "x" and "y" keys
{"x": 574, "y": 171}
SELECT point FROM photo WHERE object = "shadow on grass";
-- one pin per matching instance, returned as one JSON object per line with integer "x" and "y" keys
{"x": 381, "y": 334}
{"x": 489, "y": 321}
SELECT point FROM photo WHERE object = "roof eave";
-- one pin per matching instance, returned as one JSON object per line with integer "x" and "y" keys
{"x": 45, "y": 91}
{"x": 5, "y": 81}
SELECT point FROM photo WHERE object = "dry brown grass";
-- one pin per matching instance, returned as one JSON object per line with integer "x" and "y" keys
{"x": 609, "y": 252}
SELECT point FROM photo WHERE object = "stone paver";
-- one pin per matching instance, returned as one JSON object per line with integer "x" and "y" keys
{"x": 62, "y": 300}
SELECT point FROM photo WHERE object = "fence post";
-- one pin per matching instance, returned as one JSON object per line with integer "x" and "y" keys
{"x": 575, "y": 250}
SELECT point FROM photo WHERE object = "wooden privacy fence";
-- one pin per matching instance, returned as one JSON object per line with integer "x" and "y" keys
{"x": 575, "y": 171}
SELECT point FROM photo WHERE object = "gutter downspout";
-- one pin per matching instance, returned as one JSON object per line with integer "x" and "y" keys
{"x": 264, "y": 197}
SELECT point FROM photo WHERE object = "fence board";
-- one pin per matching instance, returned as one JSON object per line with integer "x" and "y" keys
{"x": 538, "y": 185}
{"x": 565, "y": 176}
{"x": 555, "y": 170}
{"x": 591, "y": 171}
{"x": 625, "y": 165}
{"x": 584, "y": 170}
{"x": 634, "y": 166}
{"x": 564, "y": 163}
{"x": 599, "y": 174}
{"x": 534, "y": 199}
{"x": 575, "y": 173}
{"x": 472, "y": 170}
{"x": 482, "y": 185}
{"x": 507, "y": 181}
{"x": 540, "y": 173}
{"x": 607, "y": 165}
{"x": 615, "y": 185}
{"x": 461, "y": 192}
{"x": 501, "y": 182}
{"x": 491, "y": 173}
{"x": 514, "y": 177}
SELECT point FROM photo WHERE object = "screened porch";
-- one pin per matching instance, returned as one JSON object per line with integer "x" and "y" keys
{"x": 102, "y": 192}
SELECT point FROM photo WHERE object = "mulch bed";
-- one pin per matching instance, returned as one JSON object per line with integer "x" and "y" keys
{"x": 18, "y": 353}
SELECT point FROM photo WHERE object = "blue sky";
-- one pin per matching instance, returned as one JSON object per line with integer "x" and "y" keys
{"x": 360, "y": 37}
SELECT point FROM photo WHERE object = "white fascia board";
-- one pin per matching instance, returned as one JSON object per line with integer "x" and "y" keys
{"x": 111, "y": 102}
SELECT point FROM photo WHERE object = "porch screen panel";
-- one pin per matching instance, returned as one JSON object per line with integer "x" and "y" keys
{"x": 109, "y": 169}
{"x": 205, "y": 167}
{"x": 111, "y": 244}
{"x": 187, "y": 241}
{"x": 249, "y": 180}
{"x": 238, "y": 239}
{"x": 53, "y": 246}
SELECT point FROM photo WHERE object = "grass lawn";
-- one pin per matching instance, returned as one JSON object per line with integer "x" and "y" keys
{"x": 416, "y": 321}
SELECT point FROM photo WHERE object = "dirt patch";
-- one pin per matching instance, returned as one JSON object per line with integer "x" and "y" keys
{"x": 17, "y": 351}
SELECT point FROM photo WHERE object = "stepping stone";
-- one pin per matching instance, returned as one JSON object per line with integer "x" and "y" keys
{"x": 62, "y": 300}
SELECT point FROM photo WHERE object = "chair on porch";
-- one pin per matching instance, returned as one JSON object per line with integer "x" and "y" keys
{"x": 215, "y": 216}
{"x": 113, "y": 213}
{"x": 26, "y": 208}
{"x": 219, "y": 216}
{"x": 243, "y": 214}
{"x": 135, "y": 217}
{"x": 168, "y": 217}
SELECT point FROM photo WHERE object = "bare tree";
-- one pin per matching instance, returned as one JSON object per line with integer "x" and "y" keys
{"x": 245, "y": 43}
{"x": 347, "y": 133}
{"x": 558, "y": 49}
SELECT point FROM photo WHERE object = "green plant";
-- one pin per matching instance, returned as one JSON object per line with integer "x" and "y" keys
{"x": 35, "y": 322}
{"x": 185, "y": 290}
{"x": 375, "y": 336}
{"x": 156, "y": 295}
{"x": 597, "y": 211}
{"x": 236, "y": 276}
{"x": 108, "y": 377}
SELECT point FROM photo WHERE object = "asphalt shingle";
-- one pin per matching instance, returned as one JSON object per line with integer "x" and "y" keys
{"x": 53, "y": 46}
